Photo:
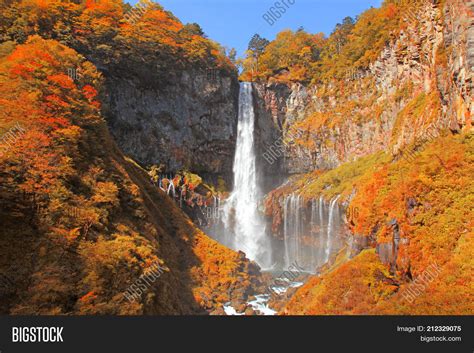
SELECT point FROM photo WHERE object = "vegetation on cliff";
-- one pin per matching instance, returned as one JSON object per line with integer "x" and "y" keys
{"x": 429, "y": 198}
{"x": 409, "y": 195}
{"x": 351, "y": 47}
{"x": 81, "y": 224}
{"x": 101, "y": 31}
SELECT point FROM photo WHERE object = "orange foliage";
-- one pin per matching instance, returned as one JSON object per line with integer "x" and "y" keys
{"x": 430, "y": 198}
{"x": 353, "y": 288}
{"x": 102, "y": 26}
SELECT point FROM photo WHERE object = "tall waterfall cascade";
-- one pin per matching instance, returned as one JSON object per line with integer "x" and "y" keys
{"x": 244, "y": 227}
{"x": 312, "y": 230}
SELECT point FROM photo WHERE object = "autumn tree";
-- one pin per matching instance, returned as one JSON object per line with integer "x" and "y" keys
{"x": 294, "y": 52}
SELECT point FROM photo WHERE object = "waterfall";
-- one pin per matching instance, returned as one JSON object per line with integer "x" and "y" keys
{"x": 241, "y": 216}
{"x": 216, "y": 207}
{"x": 213, "y": 210}
{"x": 329, "y": 243}
{"x": 314, "y": 209}
{"x": 310, "y": 235}
{"x": 321, "y": 226}
{"x": 299, "y": 234}
{"x": 171, "y": 189}
{"x": 298, "y": 227}
{"x": 286, "y": 231}
{"x": 292, "y": 229}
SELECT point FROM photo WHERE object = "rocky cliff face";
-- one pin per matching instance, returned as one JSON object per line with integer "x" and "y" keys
{"x": 270, "y": 114}
{"x": 458, "y": 33}
{"x": 188, "y": 121}
{"x": 432, "y": 60}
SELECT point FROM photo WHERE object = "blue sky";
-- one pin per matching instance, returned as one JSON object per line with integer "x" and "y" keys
{"x": 233, "y": 22}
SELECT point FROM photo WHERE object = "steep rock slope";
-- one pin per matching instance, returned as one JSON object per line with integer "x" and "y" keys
{"x": 189, "y": 123}
{"x": 406, "y": 217}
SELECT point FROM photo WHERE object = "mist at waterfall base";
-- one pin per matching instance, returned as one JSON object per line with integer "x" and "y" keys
{"x": 312, "y": 229}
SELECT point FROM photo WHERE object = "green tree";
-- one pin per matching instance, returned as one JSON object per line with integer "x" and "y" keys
{"x": 193, "y": 29}
{"x": 233, "y": 56}
{"x": 257, "y": 47}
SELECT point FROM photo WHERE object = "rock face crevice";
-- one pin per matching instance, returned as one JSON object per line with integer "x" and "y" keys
{"x": 186, "y": 123}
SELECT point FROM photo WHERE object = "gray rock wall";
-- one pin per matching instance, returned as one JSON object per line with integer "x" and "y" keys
{"x": 189, "y": 122}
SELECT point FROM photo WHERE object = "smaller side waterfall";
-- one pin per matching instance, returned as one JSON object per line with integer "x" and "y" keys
{"x": 312, "y": 232}
{"x": 330, "y": 231}
{"x": 292, "y": 229}
{"x": 314, "y": 214}
{"x": 171, "y": 189}
{"x": 322, "y": 250}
